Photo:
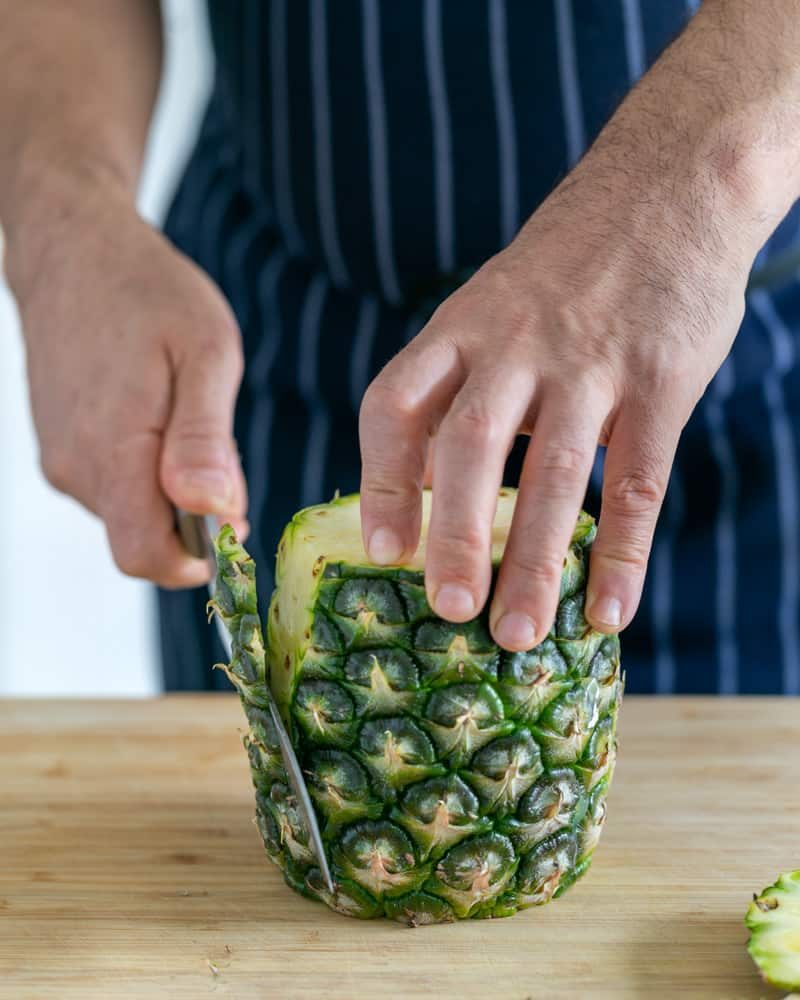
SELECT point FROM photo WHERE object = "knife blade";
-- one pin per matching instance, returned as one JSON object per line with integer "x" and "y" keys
{"x": 196, "y": 532}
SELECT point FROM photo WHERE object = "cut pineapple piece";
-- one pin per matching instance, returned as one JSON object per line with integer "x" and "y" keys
{"x": 774, "y": 922}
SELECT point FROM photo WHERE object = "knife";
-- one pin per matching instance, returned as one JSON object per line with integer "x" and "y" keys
{"x": 196, "y": 532}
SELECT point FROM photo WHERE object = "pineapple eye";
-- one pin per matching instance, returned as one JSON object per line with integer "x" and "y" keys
{"x": 573, "y": 575}
{"x": 542, "y": 871}
{"x": 325, "y": 636}
{"x": 428, "y": 799}
{"x": 452, "y": 705}
{"x": 395, "y": 665}
{"x": 456, "y": 652}
{"x": 567, "y": 723}
{"x": 553, "y": 797}
{"x": 504, "y": 769}
{"x": 380, "y": 857}
{"x": 483, "y": 860}
{"x": 534, "y": 667}
{"x": 336, "y": 775}
{"x": 400, "y": 738}
{"x": 550, "y": 805}
{"x": 570, "y": 623}
{"x": 463, "y": 717}
{"x": 475, "y": 872}
{"x": 262, "y": 727}
{"x": 377, "y": 597}
{"x": 325, "y": 711}
{"x": 396, "y": 752}
{"x": 530, "y": 681}
{"x": 441, "y": 637}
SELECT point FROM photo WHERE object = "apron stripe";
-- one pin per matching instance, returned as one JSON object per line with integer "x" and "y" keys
{"x": 440, "y": 115}
{"x": 661, "y": 579}
{"x": 725, "y": 531}
{"x": 308, "y": 383}
{"x": 413, "y": 327}
{"x": 251, "y": 99}
{"x": 261, "y": 419}
{"x": 281, "y": 145}
{"x": 785, "y": 451}
{"x": 323, "y": 155}
{"x": 504, "y": 112}
{"x": 379, "y": 167}
{"x": 634, "y": 39}
{"x": 366, "y": 329}
{"x": 571, "y": 105}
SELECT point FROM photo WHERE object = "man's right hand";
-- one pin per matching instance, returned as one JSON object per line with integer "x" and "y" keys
{"x": 134, "y": 361}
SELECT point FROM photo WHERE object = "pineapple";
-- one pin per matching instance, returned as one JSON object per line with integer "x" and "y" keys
{"x": 450, "y": 778}
{"x": 774, "y": 922}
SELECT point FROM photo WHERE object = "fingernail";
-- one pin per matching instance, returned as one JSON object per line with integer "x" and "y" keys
{"x": 209, "y": 487}
{"x": 515, "y": 630}
{"x": 384, "y": 546}
{"x": 606, "y": 611}
{"x": 454, "y": 602}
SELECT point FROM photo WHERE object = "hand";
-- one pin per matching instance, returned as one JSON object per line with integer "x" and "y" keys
{"x": 602, "y": 322}
{"x": 134, "y": 362}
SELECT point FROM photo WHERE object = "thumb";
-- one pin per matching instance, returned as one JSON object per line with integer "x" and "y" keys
{"x": 200, "y": 468}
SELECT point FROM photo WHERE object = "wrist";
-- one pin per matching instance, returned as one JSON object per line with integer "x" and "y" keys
{"x": 708, "y": 179}
{"x": 47, "y": 201}
{"x": 715, "y": 125}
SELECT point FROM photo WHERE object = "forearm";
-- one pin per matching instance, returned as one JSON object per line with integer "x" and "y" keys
{"x": 712, "y": 132}
{"x": 79, "y": 81}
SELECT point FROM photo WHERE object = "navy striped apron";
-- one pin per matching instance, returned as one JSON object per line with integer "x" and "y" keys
{"x": 356, "y": 159}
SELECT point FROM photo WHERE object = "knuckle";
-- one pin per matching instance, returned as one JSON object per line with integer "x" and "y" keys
{"x": 384, "y": 398}
{"x": 458, "y": 543}
{"x": 473, "y": 424}
{"x": 540, "y": 570}
{"x": 200, "y": 438}
{"x": 57, "y": 467}
{"x": 565, "y": 459}
{"x": 636, "y": 493}
{"x": 391, "y": 492}
{"x": 631, "y": 560}
{"x": 132, "y": 557}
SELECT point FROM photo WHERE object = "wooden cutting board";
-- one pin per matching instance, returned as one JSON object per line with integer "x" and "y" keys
{"x": 129, "y": 867}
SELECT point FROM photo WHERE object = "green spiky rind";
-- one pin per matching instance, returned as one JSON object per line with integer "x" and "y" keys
{"x": 361, "y": 678}
{"x": 773, "y": 919}
{"x": 236, "y": 604}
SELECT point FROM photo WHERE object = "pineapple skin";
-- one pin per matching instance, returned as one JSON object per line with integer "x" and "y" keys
{"x": 451, "y": 779}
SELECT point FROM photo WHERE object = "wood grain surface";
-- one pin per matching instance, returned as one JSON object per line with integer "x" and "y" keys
{"x": 129, "y": 867}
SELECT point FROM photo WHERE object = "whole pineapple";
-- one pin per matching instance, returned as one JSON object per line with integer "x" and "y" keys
{"x": 451, "y": 779}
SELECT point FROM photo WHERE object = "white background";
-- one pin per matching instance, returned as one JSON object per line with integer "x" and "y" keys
{"x": 70, "y": 623}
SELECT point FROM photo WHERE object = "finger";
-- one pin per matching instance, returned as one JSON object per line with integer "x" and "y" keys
{"x": 552, "y": 486}
{"x": 400, "y": 411}
{"x": 472, "y": 444}
{"x": 200, "y": 468}
{"x": 140, "y": 521}
{"x": 637, "y": 466}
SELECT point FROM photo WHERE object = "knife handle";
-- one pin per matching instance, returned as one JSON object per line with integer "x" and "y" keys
{"x": 193, "y": 532}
